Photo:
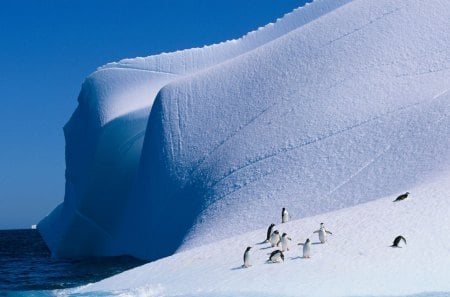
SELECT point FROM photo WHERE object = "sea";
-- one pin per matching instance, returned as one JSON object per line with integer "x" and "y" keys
{"x": 26, "y": 266}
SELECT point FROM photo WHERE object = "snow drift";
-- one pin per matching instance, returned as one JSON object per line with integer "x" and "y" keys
{"x": 337, "y": 104}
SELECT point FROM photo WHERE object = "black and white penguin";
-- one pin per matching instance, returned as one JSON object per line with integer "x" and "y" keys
{"x": 284, "y": 215}
{"x": 276, "y": 256}
{"x": 397, "y": 241}
{"x": 322, "y": 233}
{"x": 269, "y": 232}
{"x": 401, "y": 197}
{"x": 275, "y": 238}
{"x": 284, "y": 242}
{"x": 247, "y": 258}
{"x": 306, "y": 248}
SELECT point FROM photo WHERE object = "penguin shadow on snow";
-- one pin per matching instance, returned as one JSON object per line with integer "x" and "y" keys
{"x": 295, "y": 258}
{"x": 266, "y": 248}
{"x": 239, "y": 267}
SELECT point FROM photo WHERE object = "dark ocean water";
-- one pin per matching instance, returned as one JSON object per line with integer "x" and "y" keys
{"x": 26, "y": 264}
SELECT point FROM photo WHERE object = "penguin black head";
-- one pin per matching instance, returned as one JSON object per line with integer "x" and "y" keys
{"x": 307, "y": 240}
{"x": 248, "y": 248}
{"x": 276, "y": 232}
{"x": 284, "y": 234}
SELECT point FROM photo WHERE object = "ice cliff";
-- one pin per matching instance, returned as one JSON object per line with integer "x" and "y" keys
{"x": 336, "y": 104}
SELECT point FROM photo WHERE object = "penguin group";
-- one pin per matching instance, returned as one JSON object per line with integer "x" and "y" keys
{"x": 281, "y": 242}
{"x": 278, "y": 255}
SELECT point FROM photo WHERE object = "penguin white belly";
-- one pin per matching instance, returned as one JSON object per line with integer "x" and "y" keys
{"x": 306, "y": 251}
{"x": 274, "y": 239}
{"x": 284, "y": 218}
{"x": 284, "y": 245}
{"x": 322, "y": 236}
{"x": 247, "y": 260}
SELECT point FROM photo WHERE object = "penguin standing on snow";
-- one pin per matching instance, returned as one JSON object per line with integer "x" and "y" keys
{"x": 269, "y": 232}
{"x": 322, "y": 233}
{"x": 284, "y": 242}
{"x": 306, "y": 248}
{"x": 284, "y": 215}
{"x": 275, "y": 238}
{"x": 247, "y": 258}
{"x": 276, "y": 256}
{"x": 401, "y": 197}
{"x": 397, "y": 241}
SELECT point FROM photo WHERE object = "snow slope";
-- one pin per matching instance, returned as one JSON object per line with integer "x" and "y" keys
{"x": 355, "y": 261}
{"x": 335, "y": 105}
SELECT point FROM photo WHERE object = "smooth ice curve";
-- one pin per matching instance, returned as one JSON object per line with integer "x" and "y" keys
{"x": 337, "y": 104}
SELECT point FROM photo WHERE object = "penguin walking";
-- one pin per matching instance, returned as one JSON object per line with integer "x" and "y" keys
{"x": 401, "y": 197}
{"x": 284, "y": 242}
{"x": 397, "y": 241}
{"x": 247, "y": 262}
{"x": 269, "y": 232}
{"x": 306, "y": 248}
{"x": 275, "y": 238}
{"x": 322, "y": 233}
{"x": 276, "y": 256}
{"x": 284, "y": 215}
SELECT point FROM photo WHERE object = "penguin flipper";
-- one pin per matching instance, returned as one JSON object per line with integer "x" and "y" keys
{"x": 317, "y": 231}
{"x": 329, "y": 232}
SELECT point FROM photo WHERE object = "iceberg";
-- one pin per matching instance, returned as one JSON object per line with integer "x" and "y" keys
{"x": 337, "y": 104}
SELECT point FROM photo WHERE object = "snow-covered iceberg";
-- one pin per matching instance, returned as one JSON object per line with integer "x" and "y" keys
{"x": 336, "y": 104}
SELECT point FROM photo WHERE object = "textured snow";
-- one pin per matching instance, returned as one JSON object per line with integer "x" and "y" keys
{"x": 337, "y": 104}
{"x": 356, "y": 260}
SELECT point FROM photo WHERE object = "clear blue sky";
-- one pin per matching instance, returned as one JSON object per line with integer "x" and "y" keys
{"x": 47, "y": 48}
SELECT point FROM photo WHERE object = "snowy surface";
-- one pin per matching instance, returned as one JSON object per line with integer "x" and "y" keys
{"x": 357, "y": 259}
{"x": 337, "y": 104}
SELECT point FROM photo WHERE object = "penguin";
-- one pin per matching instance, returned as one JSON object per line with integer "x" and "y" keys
{"x": 397, "y": 241}
{"x": 247, "y": 258}
{"x": 284, "y": 215}
{"x": 401, "y": 197}
{"x": 284, "y": 242}
{"x": 306, "y": 248}
{"x": 276, "y": 256}
{"x": 322, "y": 233}
{"x": 275, "y": 238}
{"x": 269, "y": 232}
